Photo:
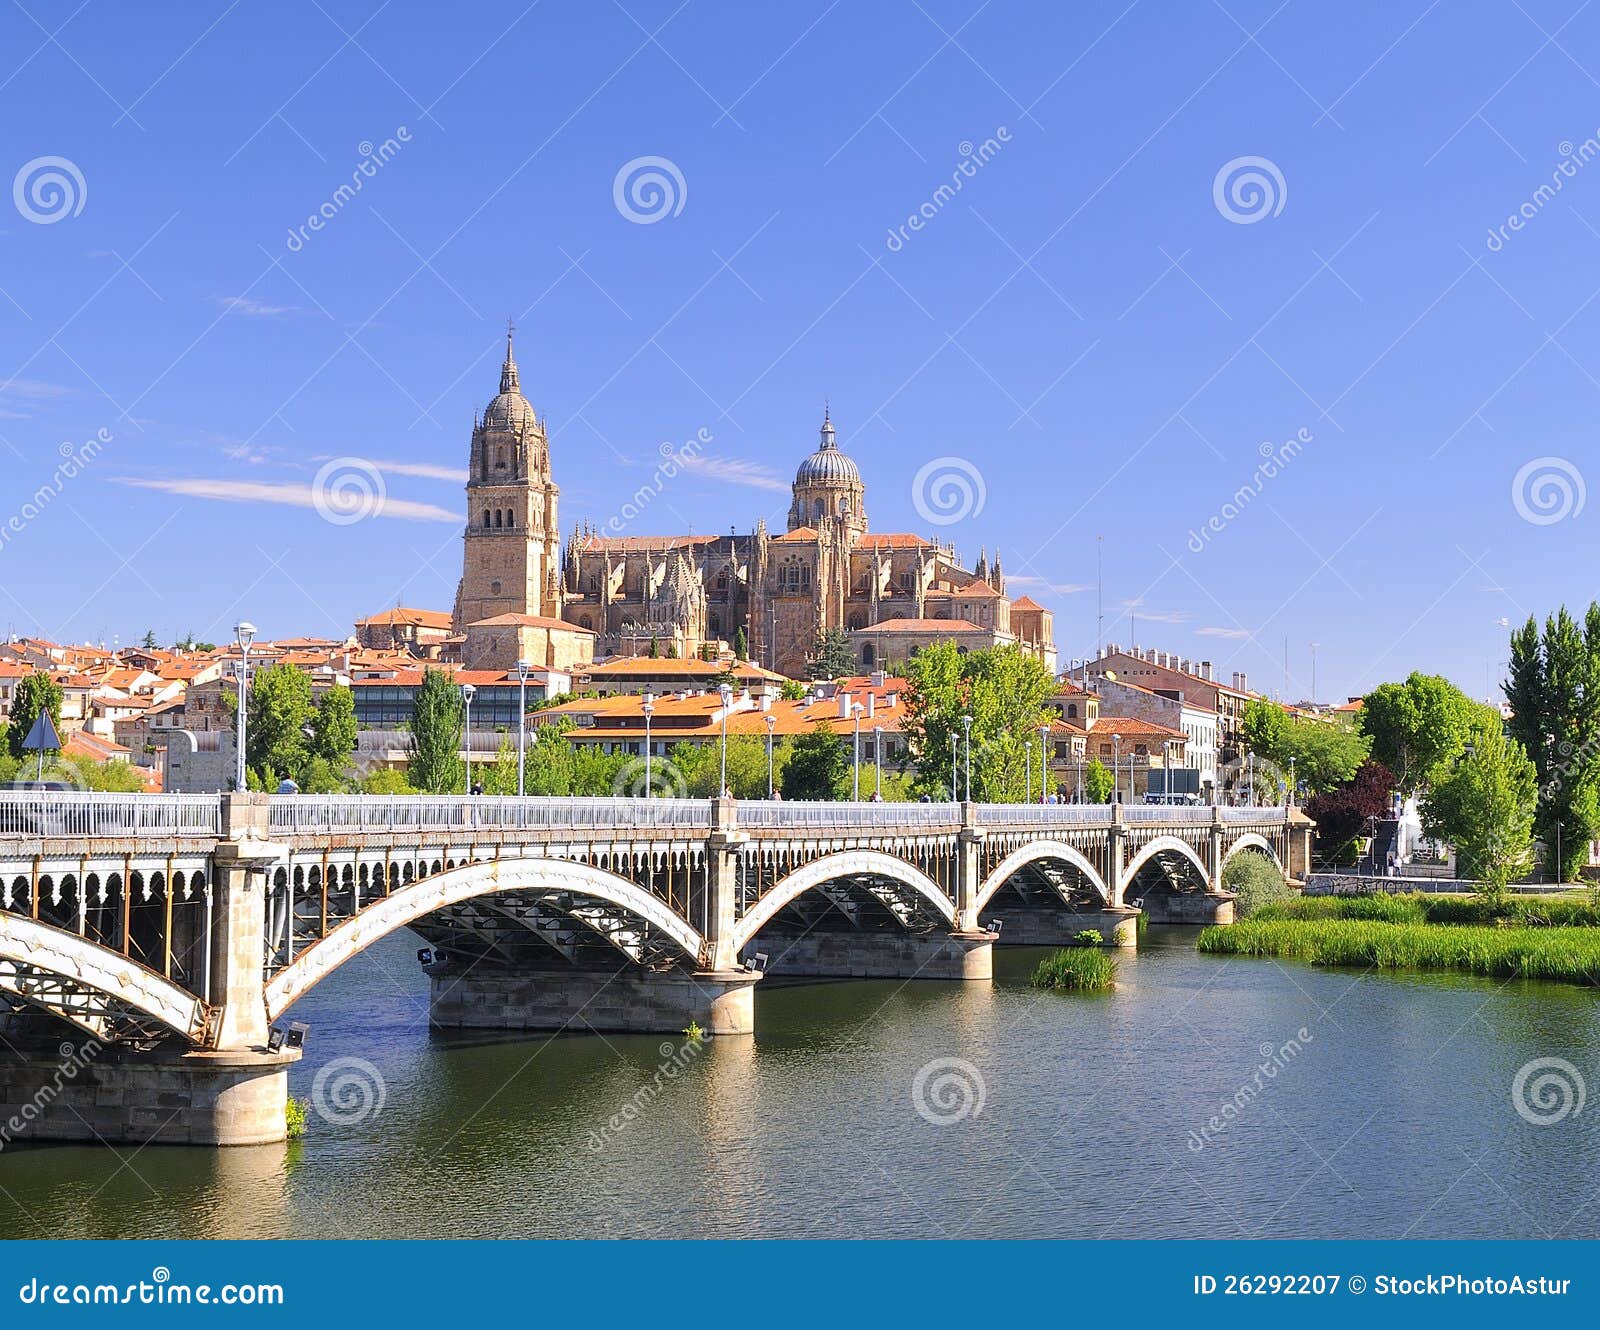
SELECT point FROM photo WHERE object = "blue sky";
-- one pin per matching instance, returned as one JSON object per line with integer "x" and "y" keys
{"x": 1092, "y": 323}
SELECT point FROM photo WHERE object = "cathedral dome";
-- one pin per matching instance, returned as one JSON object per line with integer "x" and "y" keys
{"x": 509, "y": 410}
{"x": 827, "y": 463}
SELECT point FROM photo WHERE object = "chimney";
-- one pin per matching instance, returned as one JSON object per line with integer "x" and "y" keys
{"x": 877, "y": 678}
{"x": 1205, "y": 669}
{"x": 872, "y": 705}
{"x": 1244, "y": 682}
{"x": 844, "y": 705}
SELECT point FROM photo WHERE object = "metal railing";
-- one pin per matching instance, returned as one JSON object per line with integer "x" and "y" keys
{"x": 800, "y": 815}
{"x": 1044, "y": 815}
{"x": 298, "y": 814}
{"x": 75, "y": 814}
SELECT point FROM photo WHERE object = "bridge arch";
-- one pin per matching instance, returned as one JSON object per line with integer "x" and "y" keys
{"x": 848, "y": 863}
{"x": 1250, "y": 840}
{"x": 469, "y": 880}
{"x": 1033, "y": 852}
{"x": 45, "y": 966}
{"x": 1164, "y": 845}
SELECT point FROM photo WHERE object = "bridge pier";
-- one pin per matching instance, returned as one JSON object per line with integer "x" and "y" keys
{"x": 1118, "y": 926}
{"x": 1178, "y": 907}
{"x": 83, "y": 1090}
{"x": 629, "y": 1000}
{"x": 819, "y": 954}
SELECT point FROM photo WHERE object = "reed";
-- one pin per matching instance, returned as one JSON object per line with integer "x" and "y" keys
{"x": 1079, "y": 969}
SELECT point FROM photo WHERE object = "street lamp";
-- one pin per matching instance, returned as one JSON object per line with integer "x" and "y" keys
{"x": 855, "y": 770}
{"x": 771, "y": 721}
{"x": 1044, "y": 763}
{"x": 1289, "y": 802}
{"x": 1116, "y": 768}
{"x": 877, "y": 759}
{"x": 726, "y": 694}
{"x": 468, "y": 692}
{"x": 649, "y": 710}
{"x": 1027, "y": 769}
{"x": 966, "y": 731}
{"x": 244, "y": 633}
{"x": 523, "y": 670}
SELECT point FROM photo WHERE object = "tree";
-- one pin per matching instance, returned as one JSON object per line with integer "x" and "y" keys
{"x": 1344, "y": 814}
{"x": 386, "y": 780}
{"x": 333, "y": 728}
{"x": 1254, "y": 881}
{"x": 1325, "y": 754}
{"x": 37, "y": 692}
{"x": 1003, "y": 690}
{"x": 741, "y": 644}
{"x": 831, "y": 657}
{"x": 148, "y": 642}
{"x": 818, "y": 765}
{"x": 1097, "y": 782}
{"x": 792, "y": 690}
{"x": 436, "y": 722}
{"x": 1553, "y": 688}
{"x": 1263, "y": 727}
{"x": 1417, "y": 728}
{"x": 280, "y": 710}
{"x": 1484, "y": 806}
{"x": 655, "y": 648}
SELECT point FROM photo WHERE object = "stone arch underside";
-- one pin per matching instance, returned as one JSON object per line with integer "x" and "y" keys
{"x": 857, "y": 888}
{"x": 1171, "y": 856}
{"x": 92, "y": 987}
{"x": 555, "y": 906}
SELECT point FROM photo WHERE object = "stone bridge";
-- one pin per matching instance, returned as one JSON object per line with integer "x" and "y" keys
{"x": 168, "y": 933}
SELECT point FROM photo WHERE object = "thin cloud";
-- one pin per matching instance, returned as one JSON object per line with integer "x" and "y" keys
{"x": 1045, "y": 584}
{"x": 293, "y": 494}
{"x": 255, "y": 308}
{"x": 1162, "y": 616}
{"x": 15, "y": 393}
{"x": 426, "y": 470}
{"x": 1222, "y": 632}
{"x": 736, "y": 471}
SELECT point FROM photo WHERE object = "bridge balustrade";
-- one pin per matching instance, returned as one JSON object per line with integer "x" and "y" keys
{"x": 76, "y": 814}
{"x": 300, "y": 814}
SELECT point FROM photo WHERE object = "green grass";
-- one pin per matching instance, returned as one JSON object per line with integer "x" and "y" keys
{"x": 1569, "y": 910}
{"x": 295, "y": 1119}
{"x": 1080, "y": 969}
{"x": 1503, "y": 950}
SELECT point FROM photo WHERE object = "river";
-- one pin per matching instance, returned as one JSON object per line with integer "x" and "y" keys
{"x": 1061, "y": 1116}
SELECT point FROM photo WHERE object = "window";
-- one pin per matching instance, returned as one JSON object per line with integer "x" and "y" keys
{"x": 486, "y": 519}
{"x": 497, "y": 517}
{"x": 1072, "y": 711}
{"x": 722, "y": 580}
{"x": 511, "y": 518}
{"x": 868, "y": 655}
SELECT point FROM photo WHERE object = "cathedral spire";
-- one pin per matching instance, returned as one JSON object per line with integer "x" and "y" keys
{"x": 827, "y": 426}
{"x": 508, "y": 371}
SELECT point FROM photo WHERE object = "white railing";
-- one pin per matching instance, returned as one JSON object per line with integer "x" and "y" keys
{"x": 1188, "y": 814}
{"x": 73, "y": 814}
{"x": 1265, "y": 813}
{"x": 1044, "y": 815}
{"x": 334, "y": 813}
{"x": 801, "y": 814}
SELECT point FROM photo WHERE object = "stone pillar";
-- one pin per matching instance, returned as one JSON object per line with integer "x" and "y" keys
{"x": 1214, "y": 862}
{"x": 722, "y": 885}
{"x": 1118, "y": 926}
{"x": 1301, "y": 829}
{"x": 238, "y": 936}
{"x": 1117, "y": 860}
{"x": 840, "y": 954}
{"x": 629, "y": 1000}
{"x": 969, "y": 869}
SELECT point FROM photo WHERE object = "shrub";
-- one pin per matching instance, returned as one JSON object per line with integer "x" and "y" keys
{"x": 1076, "y": 969}
{"x": 295, "y": 1119}
{"x": 1255, "y": 881}
{"x": 1087, "y": 938}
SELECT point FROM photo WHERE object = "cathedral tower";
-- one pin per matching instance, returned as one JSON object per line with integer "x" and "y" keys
{"x": 828, "y": 487}
{"x": 512, "y": 538}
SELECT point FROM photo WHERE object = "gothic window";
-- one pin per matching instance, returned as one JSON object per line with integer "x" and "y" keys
{"x": 500, "y": 457}
{"x": 857, "y": 621}
{"x": 716, "y": 623}
{"x": 818, "y": 509}
{"x": 905, "y": 581}
{"x": 511, "y": 518}
{"x": 486, "y": 518}
{"x": 494, "y": 588}
{"x": 1072, "y": 711}
{"x": 497, "y": 518}
{"x": 722, "y": 580}
{"x": 867, "y": 654}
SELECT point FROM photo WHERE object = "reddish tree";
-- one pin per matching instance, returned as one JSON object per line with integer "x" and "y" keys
{"x": 1343, "y": 814}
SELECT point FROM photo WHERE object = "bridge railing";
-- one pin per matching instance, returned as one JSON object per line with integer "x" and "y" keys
{"x": 75, "y": 814}
{"x": 312, "y": 814}
{"x": 801, "y": 815}
{"x": 1044, "y": 815}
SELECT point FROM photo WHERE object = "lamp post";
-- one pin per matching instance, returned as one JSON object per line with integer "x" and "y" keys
{"x": 855, "y": 767}
{"x": 244, "y": 633}
{"x": 1027, "y": 770}
{"x": 1044, "y": 764}
{"x": 1250, "y": 767}
{"x": 1289, "y": 800}
{"x": 966, "y": 733}
{"x": 726, "y": 694}
{"x": 771, "y": 721}
{"x": 1116, "y": 768}
{"x": 649, "y": 710}
{"x": 877, "y": 759}
{"x": 468, "y": 692}
{"x": 523, "y": 670}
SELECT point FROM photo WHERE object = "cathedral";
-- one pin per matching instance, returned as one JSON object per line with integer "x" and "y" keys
{"x": 892, "y": 593}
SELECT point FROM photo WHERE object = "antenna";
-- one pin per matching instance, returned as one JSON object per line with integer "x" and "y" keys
{"x": 1314, "y": 672}
{"x": 1100, "y": 595}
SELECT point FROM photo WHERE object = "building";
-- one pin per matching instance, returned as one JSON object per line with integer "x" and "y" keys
{"x": 1197, "y": 724}
{"x": 1190, "y": 681}
{"x": 652, "y": 674}
{"x": 693, "y": 595}
{"x": 419, "y": 633}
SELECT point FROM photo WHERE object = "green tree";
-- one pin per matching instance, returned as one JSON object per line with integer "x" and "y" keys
{"x": 818, "y": 765}
{"x": 741, "y": 644}
{"x": 1417, "y": 727}
{"x": 831, "y": 656}
{"x": 792, "y": 690}
{"x": 1003, "y": 690}
{"x": 1325, "y": 755}
{"x": 148, "y": 642}
{"x": 35, "y": 693}
{"x": 333, "y": 728}
{"x": 1097, "y": 782}
{"x": 386, "y": 780}
{"x": 1484, "y": 806}
{"x": 1553, "y": 687}
{"x": 655, "y": 648}
{"x": 280, "y": 710}
{"x": 1264, "y": 726}
{"x": 436, "y": 723}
